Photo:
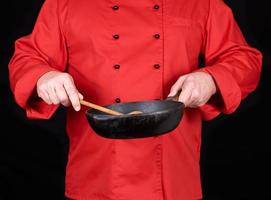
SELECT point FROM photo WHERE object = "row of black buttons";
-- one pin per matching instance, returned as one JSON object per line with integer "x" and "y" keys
{"x": 156, "y": 66}
{"x": 116, "y": 36}
{"x": 156, "y": 7}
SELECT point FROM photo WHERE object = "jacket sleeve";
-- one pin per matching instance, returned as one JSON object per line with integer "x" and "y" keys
{"x": 42, "y": 51}
{"x": 233, "y": 64}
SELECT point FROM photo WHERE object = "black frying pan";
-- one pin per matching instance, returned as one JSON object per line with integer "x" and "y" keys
{"x": 159, "y": 117}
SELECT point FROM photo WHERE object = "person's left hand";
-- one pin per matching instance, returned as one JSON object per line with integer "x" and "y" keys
{"x": 196, "y": 89}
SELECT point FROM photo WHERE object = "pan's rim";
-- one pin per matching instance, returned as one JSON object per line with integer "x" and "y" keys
{"x": 107, "y": 116}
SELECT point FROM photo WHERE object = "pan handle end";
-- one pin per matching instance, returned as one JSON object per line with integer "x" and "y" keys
{"x": 175, "y": 97}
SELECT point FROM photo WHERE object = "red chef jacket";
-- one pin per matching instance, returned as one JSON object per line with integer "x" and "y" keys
{"x": 121, "y": 51}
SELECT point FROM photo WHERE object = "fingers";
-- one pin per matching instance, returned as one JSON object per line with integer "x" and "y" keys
{"x": 177, "y": 86}
{"x": 73, "y": 94}
{"x": 58, "y": 87}
{"x": 52, "y": 95}
{"x": 185, "y": 96}
{"x": 45, "y": 96}
{"x": 197, "y": 88}
{"x": 189, "y": 91}
{"x": 62, "y": 96}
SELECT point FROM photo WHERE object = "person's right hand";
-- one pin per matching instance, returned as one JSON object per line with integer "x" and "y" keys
{"x": 58, "y": 88}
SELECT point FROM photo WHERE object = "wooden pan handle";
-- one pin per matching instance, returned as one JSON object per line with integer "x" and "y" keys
{"x": 100, "y": 108}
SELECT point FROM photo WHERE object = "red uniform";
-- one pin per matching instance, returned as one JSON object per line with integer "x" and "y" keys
{"x": 134, "y": 51}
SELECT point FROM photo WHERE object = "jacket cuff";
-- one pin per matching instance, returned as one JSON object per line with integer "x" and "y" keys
{"x": 25, "y": 89}
{"x": 228, "y": 96}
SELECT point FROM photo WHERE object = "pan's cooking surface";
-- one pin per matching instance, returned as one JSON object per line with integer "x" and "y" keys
{"x": 159, "y": 117}
{"x": 146, "y": 107}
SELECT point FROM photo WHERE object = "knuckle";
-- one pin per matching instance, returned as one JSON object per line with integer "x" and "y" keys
{"x": 51, "y": 85}
{"x": 64, "y": 103}
{"x": 193, "y": 106}
{"x": 74, "y": 100}
{"x": 63, "y": 100}
{"x": 42, "y": 87}
{"x": 39, "y": 91}
{"x": 190, "y": 78}
{"x": 181, "y": 99}
{"x": 191, "y": 84}
{"x": 174, "y": 88}
{"x": 47, "y": 101}
{"x": 72, "y": 92}
{"x": 39, "y": 94}
{"x": 66, "y": 76}
{"x": 196, "y": 94}
{"x": 55, "y": 102}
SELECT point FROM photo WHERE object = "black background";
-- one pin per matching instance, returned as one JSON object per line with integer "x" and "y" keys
{"x": 236, "y": 148}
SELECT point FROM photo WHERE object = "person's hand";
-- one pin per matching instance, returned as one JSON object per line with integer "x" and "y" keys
{"x": 58, "y": 88}
{"x": 196, "y": 89}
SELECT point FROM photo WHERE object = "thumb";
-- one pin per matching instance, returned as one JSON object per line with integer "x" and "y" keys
{"x": 177, "y": 86}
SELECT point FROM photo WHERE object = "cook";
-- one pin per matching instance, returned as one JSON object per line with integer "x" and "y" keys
{"x": 120, "y": 51}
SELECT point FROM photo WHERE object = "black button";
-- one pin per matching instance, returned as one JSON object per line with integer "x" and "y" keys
{"x": 156, "y": 36}
{"x": 117, "y": 66}
{"x": 115, "y": 7}
{"x": 156, "y": 66}
{"x": 117, "y": 100}
{"x": 156, "y": 7}
{"x": 116, "y": 36}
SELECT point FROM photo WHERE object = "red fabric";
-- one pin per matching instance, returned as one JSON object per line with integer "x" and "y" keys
{"x": 77, "y": 36}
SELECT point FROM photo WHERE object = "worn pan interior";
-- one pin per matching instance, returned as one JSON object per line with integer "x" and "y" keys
{"x": 159, "y": 118}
